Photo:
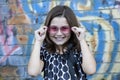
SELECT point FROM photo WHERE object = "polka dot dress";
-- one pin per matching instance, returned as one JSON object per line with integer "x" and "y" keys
{"x": 56, "y": 66}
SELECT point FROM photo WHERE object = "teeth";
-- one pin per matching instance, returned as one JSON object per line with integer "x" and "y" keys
{"x": 59, "y": 38}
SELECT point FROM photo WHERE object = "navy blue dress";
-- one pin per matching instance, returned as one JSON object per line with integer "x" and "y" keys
{"x": 56, "y": 66}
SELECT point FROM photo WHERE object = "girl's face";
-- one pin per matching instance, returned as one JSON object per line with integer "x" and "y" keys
{"x": 59, "y": 30}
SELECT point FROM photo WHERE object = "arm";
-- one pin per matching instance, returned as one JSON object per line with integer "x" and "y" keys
{"x": 88, "y": 61}
{"x": 35, "y": 65}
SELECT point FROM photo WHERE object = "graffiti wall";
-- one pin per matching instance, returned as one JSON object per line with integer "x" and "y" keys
{"x": 20, "y": 18}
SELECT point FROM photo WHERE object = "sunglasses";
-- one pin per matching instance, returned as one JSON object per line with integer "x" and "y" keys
{"x": 63, "y": 29}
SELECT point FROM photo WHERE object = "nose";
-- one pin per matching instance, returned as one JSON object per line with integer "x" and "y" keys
{"x": 59, "y": 32}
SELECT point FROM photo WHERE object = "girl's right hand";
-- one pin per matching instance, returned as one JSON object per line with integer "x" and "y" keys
{"x": 40, "y": 34}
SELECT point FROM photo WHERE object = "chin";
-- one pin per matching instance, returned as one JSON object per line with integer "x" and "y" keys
{"x": 59, "y": 44}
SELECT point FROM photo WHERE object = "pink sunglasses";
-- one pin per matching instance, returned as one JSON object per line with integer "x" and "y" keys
{"x": 63, "y": 29}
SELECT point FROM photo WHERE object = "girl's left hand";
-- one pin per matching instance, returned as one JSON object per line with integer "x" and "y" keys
{"x": 80, "y": 32}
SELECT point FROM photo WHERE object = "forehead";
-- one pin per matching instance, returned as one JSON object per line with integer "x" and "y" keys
{"x": 59, "y": 21}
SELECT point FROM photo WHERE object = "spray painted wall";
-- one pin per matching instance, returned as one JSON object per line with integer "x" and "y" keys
{"x": 20, "y": 18}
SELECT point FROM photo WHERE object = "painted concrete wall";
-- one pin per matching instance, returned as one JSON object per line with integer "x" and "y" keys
{"x": 20, "y": 18}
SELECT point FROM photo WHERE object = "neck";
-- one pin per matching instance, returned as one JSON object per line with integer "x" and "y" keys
{"x": 59, "y": 49}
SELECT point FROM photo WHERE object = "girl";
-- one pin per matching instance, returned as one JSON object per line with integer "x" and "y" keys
{"x": 60, "y": 49}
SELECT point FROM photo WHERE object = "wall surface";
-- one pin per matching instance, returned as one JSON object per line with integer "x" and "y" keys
{"x": 20, "y": 18}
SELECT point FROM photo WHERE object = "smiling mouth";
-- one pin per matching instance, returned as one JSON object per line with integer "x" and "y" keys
{"x": 59, "y": 38}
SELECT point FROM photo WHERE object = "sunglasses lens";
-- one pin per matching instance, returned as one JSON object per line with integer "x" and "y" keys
{"x": 65, "y": 29}
{"x": 53, "y": 28}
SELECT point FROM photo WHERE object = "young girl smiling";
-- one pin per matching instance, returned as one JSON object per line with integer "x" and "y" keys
{"x": 60, "y": 49}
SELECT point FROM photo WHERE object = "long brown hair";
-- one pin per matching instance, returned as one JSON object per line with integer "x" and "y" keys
{"x": 72, "y": 21}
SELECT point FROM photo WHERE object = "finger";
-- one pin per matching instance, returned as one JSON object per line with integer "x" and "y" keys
{"x": 42, "y": 30}
{"x": 45, "y": 28}
{"x": 74, "y": 29}
{"x": 80, "y": 29}
{"x": 37, "y": 33}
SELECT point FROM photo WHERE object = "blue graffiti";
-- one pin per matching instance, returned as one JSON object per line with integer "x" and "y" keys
{"x": 38, "y": 12}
